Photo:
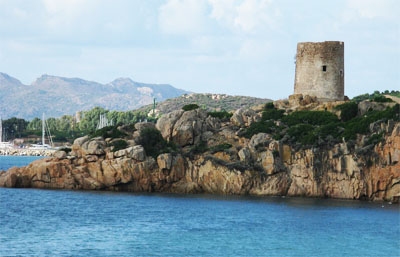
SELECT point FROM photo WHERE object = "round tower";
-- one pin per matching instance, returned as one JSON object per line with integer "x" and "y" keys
{"x": 320, "y": 70}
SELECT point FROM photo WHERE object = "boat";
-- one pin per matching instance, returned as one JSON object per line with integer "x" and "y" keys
{"x": 4, "y": 145}
{"x": 43, "y": 144}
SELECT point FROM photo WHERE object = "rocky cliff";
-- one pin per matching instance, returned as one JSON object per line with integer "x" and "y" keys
{"x": 210, "y": 156}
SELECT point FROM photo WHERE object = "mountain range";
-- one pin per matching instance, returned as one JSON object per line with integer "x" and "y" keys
{"x": 57, "y": 96}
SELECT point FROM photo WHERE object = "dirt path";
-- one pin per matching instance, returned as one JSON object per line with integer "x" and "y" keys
{"x": 394, "y": 98}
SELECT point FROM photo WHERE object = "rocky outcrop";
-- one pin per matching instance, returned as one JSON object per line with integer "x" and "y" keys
{"x": 230, "y": 164}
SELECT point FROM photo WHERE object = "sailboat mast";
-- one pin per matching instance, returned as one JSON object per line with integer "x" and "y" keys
{"x": 1, "y": 130}
{"x": 43, "y": 130}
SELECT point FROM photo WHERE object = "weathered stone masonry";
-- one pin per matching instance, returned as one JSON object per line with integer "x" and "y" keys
{"x": 320, "y": 70}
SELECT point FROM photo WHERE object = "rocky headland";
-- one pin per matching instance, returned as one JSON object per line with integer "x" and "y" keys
{"x": 193, "y": 151}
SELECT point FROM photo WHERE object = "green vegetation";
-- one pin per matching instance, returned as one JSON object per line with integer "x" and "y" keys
{"x": 153, "y": 142}
{"x": 259, "y": 127}
{"x": 108, "y": 132}
{"x": 310, "y": 117}
{"x": 348, "y": 110}
{"x": 190, "y": 107}
{"x": 222, "y": 115}
{"x": 220, "y": 148}
{"x": 199, "y": 148}
{"x": 271, "y": 113}
{"x": 300, "y": 127}
{"x": 307, "y": 128}
{"x": 118, "y": 145}
{"x": 360, "y": 125}
{"x": 266, "y": 124}
{"x": 377, "y": 96}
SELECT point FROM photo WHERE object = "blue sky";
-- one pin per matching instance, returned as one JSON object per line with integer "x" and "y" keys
{"x": 236, "y": 47}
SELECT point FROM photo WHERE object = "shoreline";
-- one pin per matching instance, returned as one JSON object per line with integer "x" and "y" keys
{"x": 26, "y": 152}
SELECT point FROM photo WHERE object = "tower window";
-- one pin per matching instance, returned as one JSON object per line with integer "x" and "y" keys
{"x": 323, "y": 67}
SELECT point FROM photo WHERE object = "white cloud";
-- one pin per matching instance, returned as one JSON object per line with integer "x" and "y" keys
{"x": 370, "y": 9}
{"x": 248, "y": 16}
{"x": 63, "y": 14}
{"x": 185, "y": 17}
{"x": 224, "y": 11}
{"x": 254, "y": 14}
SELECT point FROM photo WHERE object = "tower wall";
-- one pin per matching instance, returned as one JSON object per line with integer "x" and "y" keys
{"x": 320, "y": 70}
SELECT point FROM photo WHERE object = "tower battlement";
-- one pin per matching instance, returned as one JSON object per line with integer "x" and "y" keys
{"x": 320, "y": 70}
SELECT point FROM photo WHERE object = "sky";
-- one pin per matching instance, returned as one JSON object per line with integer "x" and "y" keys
{"x": 235, "y": 47}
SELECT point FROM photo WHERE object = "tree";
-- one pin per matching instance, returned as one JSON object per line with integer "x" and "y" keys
{"x": 14, "y": 127}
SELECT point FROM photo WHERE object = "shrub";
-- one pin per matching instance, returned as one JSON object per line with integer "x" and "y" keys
{"x": 259, "y": 127}
{"x": 108, "y": 132}
{"x": 272, "y": 114}
{"x": 302, "y": 133}
{"x": 65, "y": 149}
{"x": 332, "y": 129}
{"x": 118, "y": 145}
{"x": 199, "y": 148}
{"x": 190, "y": 107}
{"x": 153, "y": 142}
{"x": 223, "y": 115}
{"x": 348, "y": 110}
{"x": 269, "y": 106}
{"x": 220, "y": 148}
{"x": 360, "y": 125}
{"x": 374, "y": 139}
{"x": 310, "y": 117}
{"x": 381, "y": 99}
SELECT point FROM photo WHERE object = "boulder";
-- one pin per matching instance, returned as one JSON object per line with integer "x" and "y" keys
{"x": 94, "y": 146}
{"x": 244, "y": 117}
{"x": 166, "y": 123}
{"x": 79, "y": 141}
{"x": 260, "y": 139}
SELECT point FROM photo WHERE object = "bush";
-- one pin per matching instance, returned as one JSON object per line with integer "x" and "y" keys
{"x": 375, "y": 138}
{"x": 348, "y": 110}
{"x": 333, "y": 129}
{"x": 220, "y": 148}
{"x": 360, "y": 125}
{"x": 223, "y": 115}
{"x": 65, "y": 149}
{"x": 199, "y": 148}
{"x": 382, "y": 99}
{"x": 190, "y": 107}
{"x": 153, "y": 142}
{"x": 310, "y": 117}
{"x": 108, "y": 132}
{"x": 302, "y": 133}
{"x": 259, "y": 127}
{"x": 272, "y": 114}
{"x": 269, "y": 106}
{"x": 118, "y": 145}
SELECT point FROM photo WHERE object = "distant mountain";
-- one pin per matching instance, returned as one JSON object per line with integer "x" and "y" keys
{"x": 57, "y": 96}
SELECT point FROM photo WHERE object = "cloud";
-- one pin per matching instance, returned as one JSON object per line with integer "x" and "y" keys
{"x": 185, "y": 17}
{"x": 255, "y": 14}
{"x": 370, "y": 9}
{"x": 245, "y": 16}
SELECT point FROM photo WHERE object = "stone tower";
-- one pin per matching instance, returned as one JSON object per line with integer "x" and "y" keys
{"x": 320, "y": 70}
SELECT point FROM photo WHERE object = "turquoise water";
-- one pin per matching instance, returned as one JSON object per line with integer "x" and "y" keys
{"x": 81, "y": 223}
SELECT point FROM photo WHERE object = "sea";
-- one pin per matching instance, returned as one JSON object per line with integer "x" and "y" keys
{"x": 38, "y": 222}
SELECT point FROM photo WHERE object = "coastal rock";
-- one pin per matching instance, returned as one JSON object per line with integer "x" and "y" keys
{"x": 94, "y": 146}
{"x": 244, "y": 117}
{"x": 225, "y": 164}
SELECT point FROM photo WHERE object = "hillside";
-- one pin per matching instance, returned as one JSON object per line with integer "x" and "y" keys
{"x": 57, "y": 96}
{"x": 210, "y": 102}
